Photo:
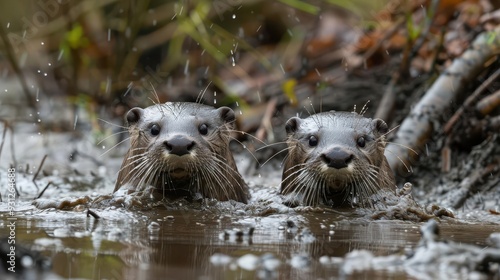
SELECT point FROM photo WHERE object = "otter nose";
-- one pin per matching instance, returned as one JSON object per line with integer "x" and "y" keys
{"x": 337, "y": 158}
{"x": 179, "y": 145}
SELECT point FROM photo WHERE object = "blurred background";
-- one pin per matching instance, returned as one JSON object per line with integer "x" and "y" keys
{"x": 77, "y": 66}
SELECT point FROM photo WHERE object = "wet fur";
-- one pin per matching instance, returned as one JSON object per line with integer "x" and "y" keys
{"x": 212, "y": 169}
{"x": 304, "y": 180}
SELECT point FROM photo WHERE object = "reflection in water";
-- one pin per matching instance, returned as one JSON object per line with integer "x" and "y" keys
{"x": 194, "y": 244}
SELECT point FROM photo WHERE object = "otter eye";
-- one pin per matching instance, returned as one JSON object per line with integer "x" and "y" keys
{"x": 361, "y": 141}
{"x": 203, "y": 129}
{"x": 313, "y": 141}
{"x": 155, "y": 129}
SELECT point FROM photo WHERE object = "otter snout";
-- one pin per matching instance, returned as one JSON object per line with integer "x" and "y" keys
{"x": 337, "y": 158}
{"x": 179, "y": 145}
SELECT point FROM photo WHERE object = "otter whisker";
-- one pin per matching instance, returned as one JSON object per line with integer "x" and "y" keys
{"x": 114, "y": 146}
{"x": 275, "y": 154}
{"x": 271, "y": 145}
{"x": 246, "y": 148}
{"x": 247, "y": 134}
{"x": 229, "y": 173}
{"x": 302, "y": 168}
{"x": 202, "y": 93}
{"x": 401, "y": 160}
{"x": 141, "y": 171}
{"x": 155, "y": 94}
{"x": 113, "y": 124}
{"x": 387, "y": 133}
{"x": 130, "y": 164}
{"x": 404, "y": 146}
{"x": 114, "y": 134}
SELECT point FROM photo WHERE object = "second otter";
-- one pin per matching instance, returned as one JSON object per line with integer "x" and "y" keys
{"x": 181, "y": 149}
{"x": 334, "y": 157}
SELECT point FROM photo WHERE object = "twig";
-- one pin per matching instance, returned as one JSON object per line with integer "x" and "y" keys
{"x": 488, "y": 103}
{"x": 12, "y": 149}
{"x": 10, "y": 55}
{"x": 38, "y": 171}
{"x": 5, "y": 126}
{"x": 453, "y": 120}
{"x": 44, "y": 189}
{"x": 93, "y": 214}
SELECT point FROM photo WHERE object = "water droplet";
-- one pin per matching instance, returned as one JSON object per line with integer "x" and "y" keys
{"x": 39, "y": 71}
{"x": 8, "y": 24}
{"x": 186, "y": 68}
{"x": 45, "y": 74}
{"x": 42, "y": 43}
{"x": 103, "y": 147}
{"x": 234, "y": 16}
{"x": 109, "y": 34}
{"x": 50, "y": 64}
{"x": 237, "y": 104}
{"x": 60, "y": 55}
{"x": 39, "y": 120}
{"x": 5, "y": 90}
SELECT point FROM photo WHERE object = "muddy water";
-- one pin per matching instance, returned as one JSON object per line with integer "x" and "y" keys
{"x": 208, "y": 244}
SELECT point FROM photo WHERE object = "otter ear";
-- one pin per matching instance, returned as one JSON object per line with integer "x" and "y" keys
{"x": 227, "y": 114}
{"x": 380, "y": 126}
{"x": 292, "y": 125}
{"x": 134, "y": 115}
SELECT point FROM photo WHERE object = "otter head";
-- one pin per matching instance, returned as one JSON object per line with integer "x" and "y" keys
{"x": 181, "y": 148}
{"x": 334, "y": 154}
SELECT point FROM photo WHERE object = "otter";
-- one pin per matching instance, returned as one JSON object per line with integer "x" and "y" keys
{"x": 182, "y": 149}
{"x": 334, "y": 158}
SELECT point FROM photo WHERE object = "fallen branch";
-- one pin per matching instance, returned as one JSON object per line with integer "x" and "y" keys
{"x": 488, "y": 103}
{"x": 469, "y": 185}
{"x": 417, "y": 127}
